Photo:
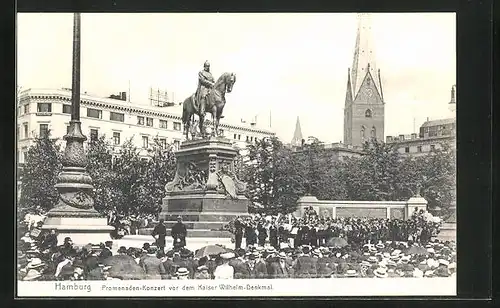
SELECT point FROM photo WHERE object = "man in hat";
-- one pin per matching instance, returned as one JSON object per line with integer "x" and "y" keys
{"x": 150, "y": 263}
{"x": 106, "y": 252}
{"x": 256, "y": 267}
{"x": 238, "y": 232}
{"x": 238, "y": 263}
{"x": 182, "y": 273}
{"x": 159, "y": 233}
{"x": 205, "y": 83}
{"x": 50, "y": 240}
{"x": 305, "y": 266}
{"x": 280, "y": 269}
{"x": 273, "y": 233}
{"x": 179, "y": 233}
{"x": 202, "y": 272}
{"x": 224, "y": 270}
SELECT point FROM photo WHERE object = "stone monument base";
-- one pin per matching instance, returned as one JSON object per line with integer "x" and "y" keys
{"x": 82, "y": 226}
{"x": 205, "y": 191}
{"x": 203, "y": 214}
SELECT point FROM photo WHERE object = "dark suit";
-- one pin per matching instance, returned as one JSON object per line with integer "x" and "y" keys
{"x": 257, "y": 271}
{"x": 305, "y": 267}
{"x": 161, "y": 231}
{"x": 151, "y": 266}
{"x": 273, "y": 236}
{"x": 105, "y": 253}
{"x": 179, "y": 231}
{"x": 238, "y": 233}
{"x": 241, "y": 270}
{"x": 280, "y": 270}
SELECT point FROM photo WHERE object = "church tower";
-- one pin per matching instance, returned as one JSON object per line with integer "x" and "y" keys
{"x": 364, "y": 101}
{"x": 297, "y": 135}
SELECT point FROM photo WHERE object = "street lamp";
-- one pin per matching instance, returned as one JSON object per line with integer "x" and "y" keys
{"x": 74, "y": 215}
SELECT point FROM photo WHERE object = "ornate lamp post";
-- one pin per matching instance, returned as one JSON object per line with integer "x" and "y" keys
{"x": 74, "y": 215}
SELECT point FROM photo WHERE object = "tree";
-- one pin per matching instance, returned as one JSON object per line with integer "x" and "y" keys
{"x": 100, "y": 160}
{"x": 40, "y": 170}
{"x": 156, "y": 172}
{"x": 273, "y": 176}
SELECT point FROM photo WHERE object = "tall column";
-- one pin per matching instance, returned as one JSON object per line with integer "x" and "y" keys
{"x": 74, "y": 215}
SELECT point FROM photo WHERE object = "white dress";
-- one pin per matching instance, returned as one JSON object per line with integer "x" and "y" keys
{"x": 224, "y": 271}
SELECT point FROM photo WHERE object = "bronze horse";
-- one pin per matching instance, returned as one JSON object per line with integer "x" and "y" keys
{"x": 214, "y": 104}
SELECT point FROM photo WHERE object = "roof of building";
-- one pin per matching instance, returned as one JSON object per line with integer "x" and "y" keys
{"x": 438, "y": 122}
{"x": 168, "y": 112}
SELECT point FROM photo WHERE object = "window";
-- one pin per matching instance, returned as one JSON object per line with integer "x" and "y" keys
{"x": 140, "y": 120}
{"x": 26, "y": 108}
{"x": 94, "y": 134}
{"x": 239, "y": 137}
{"x": 94, "y": 113}
{"x": 17, "y": 132}
{"x": 149, "y": 122}
{"x": 115, "y": 116}
{"x": 221, "y": 132}
{"x": 26, "y": 133}
{"x": 247, "y": 139}
{"x": 67, "y": 109}
{"x": 407, "y": 150}
{"x": 368, "y": 113}
{"x": 177, "y": 126}
{"x": 433, "y": 147}
{"x": 176, "y": 144}
{"x": 373, "y": 133}
{"x": 44, "y": 107}
{"x": 362, "y": 133}
{"x": 67, "y": 129}
{"x": 163, "y": 124}
{"x": 163, "y": 143}
{"x": 116, "y": 138}
{"x": 235, "y": 136}
{"x": 44, "y": 130}
{"x": 145, "y": 142}
{"x": 251, "y": 139}
{"x": 419, "y": 148}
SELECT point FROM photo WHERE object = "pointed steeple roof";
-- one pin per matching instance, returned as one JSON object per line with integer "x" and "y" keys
{"x": 297, "y": 135}
{"x": 348, "y": 93}
{"x": 364, "y": 56}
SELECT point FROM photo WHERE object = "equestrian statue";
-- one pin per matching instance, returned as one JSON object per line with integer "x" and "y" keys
{"x": 209, "y": 98}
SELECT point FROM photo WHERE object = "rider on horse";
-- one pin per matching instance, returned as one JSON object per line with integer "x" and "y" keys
{"x": 205, "y": 83}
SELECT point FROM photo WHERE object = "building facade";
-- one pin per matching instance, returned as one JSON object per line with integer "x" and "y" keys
{"x": 41, "y": 111}
{"x": 364, "y": 102}
{"x": 434, "y": 135}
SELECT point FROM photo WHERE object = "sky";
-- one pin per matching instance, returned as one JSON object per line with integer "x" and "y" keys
{"x": 287, "y": 65}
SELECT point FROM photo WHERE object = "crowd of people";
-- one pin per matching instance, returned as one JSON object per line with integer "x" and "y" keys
{"x": 350, "y": 248}
{"x": 316, "y": 231}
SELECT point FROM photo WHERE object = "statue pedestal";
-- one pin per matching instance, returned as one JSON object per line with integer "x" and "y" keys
{"x": 205, "y": 191}
{"x": 82, "y": 226}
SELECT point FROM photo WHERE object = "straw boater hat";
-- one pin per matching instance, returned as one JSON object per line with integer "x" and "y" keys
{"x": 227, "y": 255}
{"x": 202, "y": 268}
{"x": 35, "y": 263}
{"x": 381, "y": 272}
{"x": 443, "y": 262}
{"x": 380, "y": 245}
{"x": 351, "y": 273}
{"x": 282, "y": 255}
{"x": 32, "y": 275}
{"x": 182, "y": 271}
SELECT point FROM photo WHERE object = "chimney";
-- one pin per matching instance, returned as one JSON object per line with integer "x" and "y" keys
{"x": 123, "y": 96}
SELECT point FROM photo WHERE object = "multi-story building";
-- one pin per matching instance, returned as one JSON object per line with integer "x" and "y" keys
{"x": 433, "y": 135}
{"x": 41, "y": 111}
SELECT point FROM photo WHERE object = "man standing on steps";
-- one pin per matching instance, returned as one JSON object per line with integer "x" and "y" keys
{"x": 179, "y": 233}
{"x": 160, "y": 233}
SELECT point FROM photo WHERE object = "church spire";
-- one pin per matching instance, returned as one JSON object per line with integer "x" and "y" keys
{"x": 348, "y": 93}
{"x": 364, "y": 56}
{"x": 297, "y": 135}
